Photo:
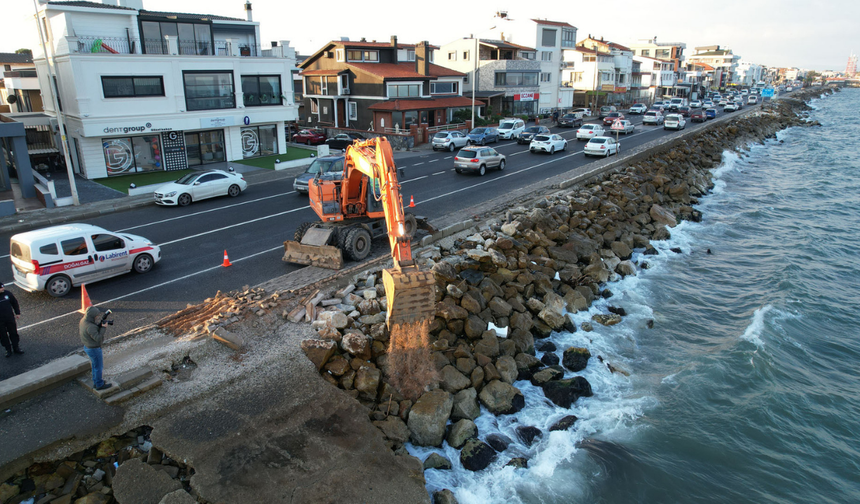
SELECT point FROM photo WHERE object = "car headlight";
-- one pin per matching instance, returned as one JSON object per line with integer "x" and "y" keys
{"x": 170, "y": 194}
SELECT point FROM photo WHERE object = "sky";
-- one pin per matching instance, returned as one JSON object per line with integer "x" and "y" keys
{"x": 815, "y": 35}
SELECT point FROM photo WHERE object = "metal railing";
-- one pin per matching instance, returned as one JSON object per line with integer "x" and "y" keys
{"x": 446, "y": 127}
{"x": 110, "y": 45}
{"x": 119, "y": 45}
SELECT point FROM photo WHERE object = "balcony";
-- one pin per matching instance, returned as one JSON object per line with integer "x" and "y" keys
{"x": 119, "y": 45}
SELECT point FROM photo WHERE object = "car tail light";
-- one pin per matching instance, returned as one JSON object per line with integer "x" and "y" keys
{"x": 36, "y": 268}
{"x": 473, "y": 160}
{"x": 602, "y": 147}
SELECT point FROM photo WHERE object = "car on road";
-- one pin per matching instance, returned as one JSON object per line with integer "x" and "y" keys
{"x": 707, "y": 104}
{"x": 601, "y": 146}
{"x": 752, "y": 100}
{"x": 606, "y": 109}
{"x": 570, "y": 120}
{"x": 637, "y": 108}
{"x": 478, "y": 159}
{"x": 449, "y": 140}
{"x": 711, "y": 113}
{"x": 581, "y": 112}
{"x": 675, "y": 122}
{"x": 730, "y": 107}
{"x": 588, "y": 131}
{"x": 547, "y": 143}
{"x": 57, "y": 258}
{"x": 685, "y": 110}
{"x": 695, "y": 104}
{"x": 510, "y": 128}
{"x": 723, "y": 102}
{"x": 343, "y": 140}
{"x": 656, "y": 108}
{"x": 529, "y": 133}
{"x": 197, "y": 186}
{"x": 483, "y": 135}
{"x": 698, "y": 115}
{"x": 627, "y": 127}
{"x": 652, "y": 117}
{"x": 309, "y": 137}
{"x": 325, "y": 167}
{"x": 612, "y": 117}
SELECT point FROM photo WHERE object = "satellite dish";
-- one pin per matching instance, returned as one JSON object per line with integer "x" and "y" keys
{"x": 11, "y": 99}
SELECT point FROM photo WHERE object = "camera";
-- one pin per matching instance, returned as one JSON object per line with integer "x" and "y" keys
{"x": 104, "y": 320}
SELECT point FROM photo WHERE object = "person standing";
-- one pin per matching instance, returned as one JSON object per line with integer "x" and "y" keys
{"x": 92, "y": 333}
{"x": 9, "y": 313}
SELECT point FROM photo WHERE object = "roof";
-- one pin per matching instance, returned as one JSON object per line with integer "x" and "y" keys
{"x": 619, "y": 46}
{"x": 704, "y": 66}
{"x": 350, "y": 43}
{"x": 331, "y": 71}
{"x": 93, "y": 5}
{"x": 402, "y": 70}
{"x": 432, "y": 103}
{"x": 16, "y": 58}
{"x": 501, "y": 44}
{"x": 710, "y": 53}
{"x": 185, "y": 15}
{"x": 553, "y": 23}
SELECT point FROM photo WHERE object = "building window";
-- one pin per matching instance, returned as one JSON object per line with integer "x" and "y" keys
{"x": 204, "y": 147}
{"x": 410, "y": 55}
{"x": 338, "y": 53}
{"x": 132, "y": 154}
{"x": 516, "y": 78}
{"x": 528, "y": 55}
{"x": 663, "y": 53}
{"x": 403, "y": 90}
{"x": 645, "y": 52}
{"x": 465, "y": 55}
{"x": 359, "y": 55}
{"x": 548, "y": 37}
{"x": 259, "y": 141}
{"x": 209, "y": 90}
{"x": 452, "y": 55}
{"x": 545, "y": 77}
{"x": 353, "y": 111}
{"x": 261, "y": 90}
{"x": 315, "y": 108}
{"x": 568, "y": 37}
{"x": 444, "y": 88}
{"x": 546, "y": 55}
{"x": 132, "y": 87}
{"x": 8, "y": 68}
{"x": 191, "y": 38}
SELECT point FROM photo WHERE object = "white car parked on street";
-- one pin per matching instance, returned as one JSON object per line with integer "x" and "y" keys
{"x": 601, "y": 146}
{"x": 547, "y": 143}
{"x": 587, "y": 131}
{"x": 196, "y": 186}
{"x": 510, "y": 128}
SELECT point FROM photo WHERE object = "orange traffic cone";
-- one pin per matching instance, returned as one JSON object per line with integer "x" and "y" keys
{"x": 85, "y": 300}
{"x": 226, "y": 260}
{"x": 411, "y": 201}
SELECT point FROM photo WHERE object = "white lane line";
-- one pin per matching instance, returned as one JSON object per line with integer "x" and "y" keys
{"x": 232, "y": 226}
{"x": 518, "y": 153}
{"x": 433, "y": 161}
{"x": 447, "y": 157}
{"x": 416, "y": 164}
{"x": 414, "y": 179}
{"x": 153, "y": 287}
{"x": 438, "y": 173}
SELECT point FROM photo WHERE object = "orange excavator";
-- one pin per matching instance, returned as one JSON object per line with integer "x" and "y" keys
{"x": 365, "y": 203}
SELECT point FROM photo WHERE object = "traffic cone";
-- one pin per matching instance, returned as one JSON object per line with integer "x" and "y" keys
{"x": 226, "y": 262}
{"x": 411, "y": 201}
{"x": 85, "y": 300}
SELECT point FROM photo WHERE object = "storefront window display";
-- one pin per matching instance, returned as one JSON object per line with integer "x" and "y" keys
{"x": 259, "y": 141}
{"x": 205, "y": 147}
{"x": 132, "y": 154}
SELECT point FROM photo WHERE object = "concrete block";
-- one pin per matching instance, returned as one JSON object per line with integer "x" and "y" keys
{"x": 41, "y": 379}
{"x": 127, "y": 380}
{"x": 224, "y": 336}
{"x": 118, "y": 398}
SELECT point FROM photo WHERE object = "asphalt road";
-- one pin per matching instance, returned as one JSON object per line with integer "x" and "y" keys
{"x": 252, "y": 228}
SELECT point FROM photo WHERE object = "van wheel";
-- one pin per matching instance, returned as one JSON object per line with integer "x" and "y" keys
{"x": 59, "y": 286}
{"x": 143, "y": 263}
{"x": 183, "y": 200}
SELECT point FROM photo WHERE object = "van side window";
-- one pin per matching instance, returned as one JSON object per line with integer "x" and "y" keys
{"x": 49, "y": 249}
{"x": 106, "y": 242}
{"x": 75, "y": 246}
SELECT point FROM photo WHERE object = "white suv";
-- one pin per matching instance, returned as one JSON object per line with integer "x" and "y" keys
{"x": 510, "y": 128}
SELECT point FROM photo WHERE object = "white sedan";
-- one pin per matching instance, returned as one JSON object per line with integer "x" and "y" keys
{"x": 675, "y": 122}
{"x": 638, "y": 108}
{"x": 547, "y": 143}
{"x": 601, "y": 146}
{"x": 626, "y": 127}
{"x": 588, "y": 131}
{"x": 200, "y": 185}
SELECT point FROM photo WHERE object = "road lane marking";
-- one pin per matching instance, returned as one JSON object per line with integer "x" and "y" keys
{"x": 438, "y": 173}
{"x": 232, "y": 226}
{"x": 234, "y": 261}
{"x": 414, "y": 179}
{"x": 447, "y": 157}
{"x": 416, "y": 164}
{"x": 433, "y": 161}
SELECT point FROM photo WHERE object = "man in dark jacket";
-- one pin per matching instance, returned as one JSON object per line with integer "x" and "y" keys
{"x": 9, "y": 313}
{"x": 92, "y": 334}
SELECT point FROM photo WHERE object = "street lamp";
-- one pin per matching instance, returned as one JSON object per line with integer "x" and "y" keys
{"x": 475, "y": 74}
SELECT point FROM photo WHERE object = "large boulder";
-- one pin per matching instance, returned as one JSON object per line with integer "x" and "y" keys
{"x": 357, "y": 344}
{"x": 137, "y": 482}
{"x": 477, "y": 455}
{"x": 621, "y": 250}
{"x": 367, "y": 381}
{"x": 576, "y": 358}
{"x": 318, "y": 351}
{"x": 428, "y": 417}
{"x": 461, "y": 431}
{"x": 507, "y": 368}
{"x": 565, "y": 392}
{"x": 501, "y": 398}
{"x": 466, "y": 405}
{"x": 662, "y": 215}
{"x": 452, "y": 380}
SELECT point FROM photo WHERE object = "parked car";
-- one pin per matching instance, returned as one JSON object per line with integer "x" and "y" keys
{"x": 511, "y": 128}
{"x": 478, "y": 159}
{"x": 627, "y": 127}
{"x": 612, "y": 117}
{"x": 606, "y": 109}
{"x": 637, "y": 108}
{"x": 675, "y": 122}
{"x": 309, "y": 137}
{"x": 197, "y": 186}
{"x": 570, "y": 120}
{"x": 581, "y": 112}
{"x": 752, "y": 100}
{"x": 695, "y": 104}
{"x": 652, "y": 117}
{"x": 326, "y": 168}
{"x": 685, "y": 110}
{"x": 528, "y": 133}
{"x": 588, "y": 131}
{"x": 730, "y": 107}
{"x": 449, "y": 140}
{"x": 547, "y": 143}
{"x": 56, "y": 258}
{"x": 343, "y": 140}
{"x": 711, "y": 113}
{"x": 483, "y": 136}
{"x": 698, "y": 115}
{"x": 601, "y": 146}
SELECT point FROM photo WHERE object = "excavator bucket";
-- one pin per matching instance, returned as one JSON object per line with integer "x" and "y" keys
{"x": 411, "y": 296}
{"x": 313, "y": 250}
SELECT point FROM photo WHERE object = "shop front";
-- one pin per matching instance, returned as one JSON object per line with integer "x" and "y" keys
{"x": 520, "y": 104}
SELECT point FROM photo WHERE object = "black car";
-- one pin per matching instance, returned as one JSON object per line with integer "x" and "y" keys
{"x": 343, "y": 140}
{"x": 529, "y": 133}
{"x": 570, "y": 121}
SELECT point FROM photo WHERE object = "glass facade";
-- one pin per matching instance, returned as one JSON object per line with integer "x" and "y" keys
{"x": 261, "y": 90}
{"x": 132, "y": 154}
{"x": 205, "y": 147}
{"x": 209, "y": 90}
{"x": 259, "y": 141}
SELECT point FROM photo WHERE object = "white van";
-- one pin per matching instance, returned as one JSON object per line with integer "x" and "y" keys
{"x": 60, "y": 257}
{"x": 510, "y": 128}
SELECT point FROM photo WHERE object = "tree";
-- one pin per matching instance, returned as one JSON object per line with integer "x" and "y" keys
{"x": 24, "y": 51}
{"x": 811, "y": 76}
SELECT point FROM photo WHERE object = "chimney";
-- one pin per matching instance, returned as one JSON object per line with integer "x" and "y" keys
{"x": 422, "y": 58}
{"x": 394, "y": 42}
{"x": 248, "y": 11}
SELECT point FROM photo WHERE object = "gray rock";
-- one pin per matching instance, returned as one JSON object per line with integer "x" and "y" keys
{"x": 499, "y": 442}
{"x": 466, "y": 405}
{"x": 564, "y": 424}
{"x": 367, "y": 381}
{"x": 334, "y": 319}
{"x": 178, "y": 497}
{"x": 501, "y": 398}
{"x": 136, "y": 482}
{"x": 576, "y": 358}
{"x": 394, "y": 429}
{"x": 452, "y": 380}
{"x": 461, "y": 431}
{"x": 428, "y": 417}
{"x": 606, "y": 319}
{"x": 477, "y": 455}
{"x": 436, "y": 461}
{"x": 625, "y": 268}
{"x": 662, "y": 215}
{"x": 444, "y": 496}
{"x": 565, "y": 392}
{"x": 507, "y": 368}
{"x": 357, "y": 344}
{"x": 528, "y": 433}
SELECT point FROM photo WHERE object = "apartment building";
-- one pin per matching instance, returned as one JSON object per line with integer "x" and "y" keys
{"x": 149, "y": 91}
{"x": 721, "y": 59}
{"x": 657, "y": 79}
{"x": 622, "y": 58}
{"x": 19, "y": 88}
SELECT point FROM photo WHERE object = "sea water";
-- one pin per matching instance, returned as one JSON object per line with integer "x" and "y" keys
{"x": 746, "y": 388}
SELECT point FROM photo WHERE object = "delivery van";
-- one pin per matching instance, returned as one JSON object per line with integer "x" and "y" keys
{"x": 58, "y": 258}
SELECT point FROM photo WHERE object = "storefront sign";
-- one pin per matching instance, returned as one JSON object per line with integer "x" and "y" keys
{"x": 620, "y": 89}
{"x": 174, "y": 151}
{"x": 526, "y": 96}
{"x": 216, "y": 122}
{"x": 607, "y": 87}
{"x": 125, "y": 129}
{"x": 247, "y": 120}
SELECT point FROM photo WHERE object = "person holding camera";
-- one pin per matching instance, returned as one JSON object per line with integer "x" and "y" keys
{"x": 9, "y": 313}
{"x": 92, "y": 332}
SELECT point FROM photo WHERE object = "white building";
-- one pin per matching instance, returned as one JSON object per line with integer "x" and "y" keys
{"x": 722, "y": 60}
{"x": 748, "y": 74}
{"x": 590, "y": 73}
{"x": 656, "y": 77}
{"x": 150, "y": 91}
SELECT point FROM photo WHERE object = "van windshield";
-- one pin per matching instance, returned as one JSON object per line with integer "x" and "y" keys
{"x": 19, "y": 251}
{"x": 507, "y": 125}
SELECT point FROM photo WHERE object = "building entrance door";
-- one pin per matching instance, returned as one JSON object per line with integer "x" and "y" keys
{"x": 204, "y": 147}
